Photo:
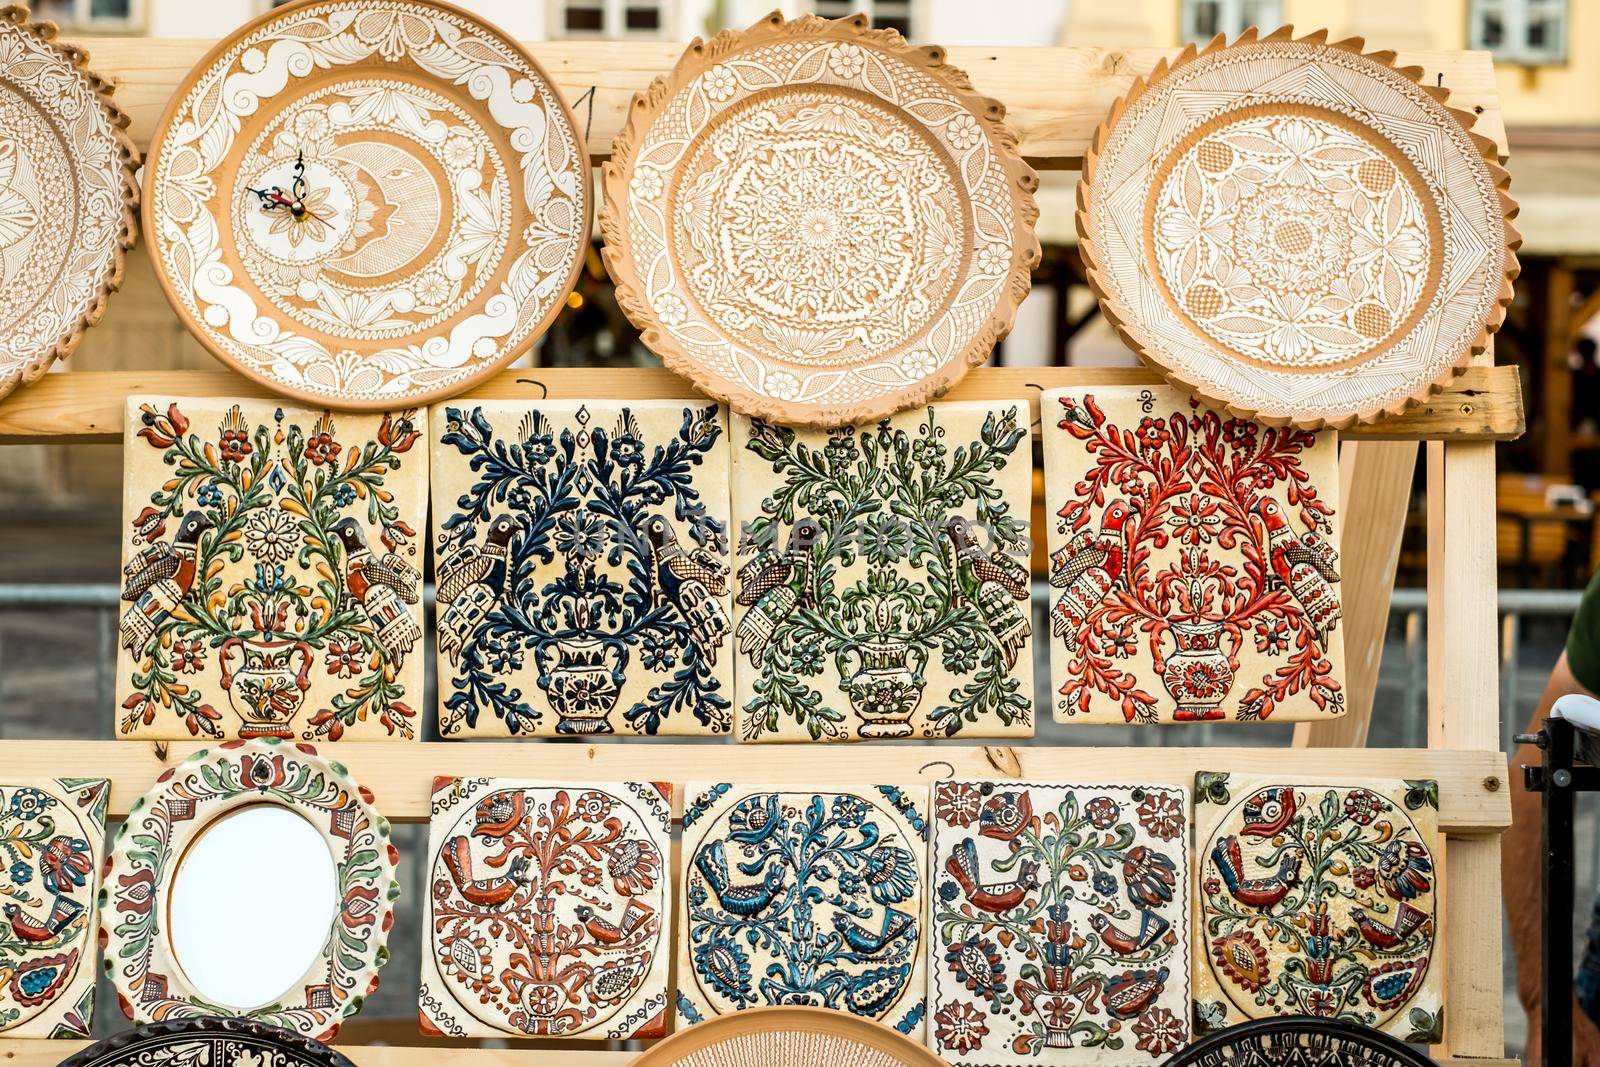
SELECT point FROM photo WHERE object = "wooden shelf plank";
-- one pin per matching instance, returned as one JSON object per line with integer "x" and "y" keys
{"x": 1054, "y": 97}
{"x": 1472, "y": 796}
{"x": 1483, "y": 404}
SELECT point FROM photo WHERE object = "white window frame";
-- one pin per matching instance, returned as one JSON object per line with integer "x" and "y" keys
{"x": 80, "y": 21}
{"x": 916, "y": 12}
{"x": 1514, "y": 15}
{"x": 613, "y": 21}
{"x": 1231, "y": 20}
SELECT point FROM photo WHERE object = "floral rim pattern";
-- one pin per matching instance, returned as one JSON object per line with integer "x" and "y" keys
{"x": 185, "y": 800}
{"x": 207, "y": 1039}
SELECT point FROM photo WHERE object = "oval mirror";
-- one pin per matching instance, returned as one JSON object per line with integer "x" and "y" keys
{"x": 252, "y": 904}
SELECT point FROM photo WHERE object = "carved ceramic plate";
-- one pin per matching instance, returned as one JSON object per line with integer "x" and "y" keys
{"x": 1297, "y": 231}
{"x": 794, "y": 1037}
{"x": 1306, "y": 1042}
{"x": 189, "y": 799}
{"x": 817, "y": 222}
{"x": 367, "y": 203}
{"x": 206, "y": 1040}
{"x": 67, "y": 197}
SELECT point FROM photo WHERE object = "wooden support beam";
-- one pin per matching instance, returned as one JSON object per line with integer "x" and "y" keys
{"x": 1374, "y": 496}
{"x": 1054, "y": 97}
{"x": 1484, "y": 403}
{"x": 1472, "y": 799}
{"x": 1556, "y": 442}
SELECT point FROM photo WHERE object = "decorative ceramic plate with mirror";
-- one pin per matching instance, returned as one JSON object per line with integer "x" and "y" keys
{"x": 206, "y": 1040}
{"x": 255, "y": 879}
{"x": 794, "y": 1037}
{"x": 818, "y": 223}
{"x": 67, "y": 197}
{"x": 367, "y": 203}
{"x": 1297, "y": 231}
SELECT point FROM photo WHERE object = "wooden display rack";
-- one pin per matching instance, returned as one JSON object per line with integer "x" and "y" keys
{"x": 1055, "y": 97}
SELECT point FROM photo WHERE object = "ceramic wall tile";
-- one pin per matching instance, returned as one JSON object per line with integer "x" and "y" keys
{"x": 52, "y": 845}
{"x": 883, "y": 584}
{"x": 797, "y": 897}
{"x": 582, "y": 553}
{"x": 1317, "y": 898}
{"x": 1195, "y": 562}
{"x": 272, "y": 582}
{"x": 548, "y": 910}
{"x": 1060, "y": 923}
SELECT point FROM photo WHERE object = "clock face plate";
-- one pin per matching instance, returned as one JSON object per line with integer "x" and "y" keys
{"x": 368, "y": 203}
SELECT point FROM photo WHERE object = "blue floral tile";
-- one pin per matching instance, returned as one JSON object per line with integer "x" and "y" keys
{"x": 581, "y": 550}
{"x": 1059, "y": 924}
{"x": 52, "y": 846}
{"x": 813, "y": 898}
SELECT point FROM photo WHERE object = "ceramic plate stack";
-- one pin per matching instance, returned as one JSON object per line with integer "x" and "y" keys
{"x": 817, "y": 222}
{"x": 67, "y": 197}
{"x": 367, "y": 203}
{"x": 1296, "y": 230}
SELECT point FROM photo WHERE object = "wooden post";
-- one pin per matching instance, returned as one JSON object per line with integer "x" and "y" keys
{"x": 1557, "y": 429}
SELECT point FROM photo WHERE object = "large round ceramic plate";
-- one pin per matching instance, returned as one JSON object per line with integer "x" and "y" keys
{"x": 817, "y": 222}
{"x": 67, "y": 197}
{"x": 1305, "y": 1042}
{"x": 143, "y": 913}
{"x": 793, "y": 1037}
{"x": 215, "y": 1041}
{"x": 367, "y": 203}
{"x": 1297, "y": 231}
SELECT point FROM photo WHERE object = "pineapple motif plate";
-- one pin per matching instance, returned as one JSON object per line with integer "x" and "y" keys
{"x": 67, "y": 197}
{"x": 367, "y": 203}
{"x": 1296, "y": 230}
{"x": 818, "y": 223}
{"x": 794, "y": 1037}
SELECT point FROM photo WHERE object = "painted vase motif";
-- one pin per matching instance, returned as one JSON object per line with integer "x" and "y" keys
{"x": 268, "y": 687}
{"x": 884, "y": 690}
{"x": 583, "y": 683}
{"x": 1198, "y": 674}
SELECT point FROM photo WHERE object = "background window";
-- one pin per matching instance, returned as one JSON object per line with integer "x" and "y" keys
{"x": 1519, "y": 31}
{"x": 1204, "y": 19}
{"x": 97, "y": 15}
{"x": 885, "y": 14}
{"x": 609, "y": 18}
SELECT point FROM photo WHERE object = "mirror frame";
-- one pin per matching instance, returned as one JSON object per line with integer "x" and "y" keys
{"x": 222, "y": 1038}
{"x": 188, "y": 799}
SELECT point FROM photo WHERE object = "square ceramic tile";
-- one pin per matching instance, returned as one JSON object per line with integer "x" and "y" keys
{"x": 549, "y": 909}
{"x": 883, "y": 584}
{"x": 1194, "y": 559}
{"x": 582, "y": 554}
{"x": 271, "y": 572}
{"x": 1060, "y": 923}
{"x": 1317, "y": 898}
{"x": 804, "y": 898}
{"x": 52, "y": 846}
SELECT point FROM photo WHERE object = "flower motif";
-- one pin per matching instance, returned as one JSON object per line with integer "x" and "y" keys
{"x": 21, "y": 873}
{"x": 161, "y": 431}
{"x": 847, "y": 61}
{"x": 581, "y": 535}
{"x": 312, "y": 124}
{"x": 928, "y": 451}
{"x": 1122, "y": 642}
{"x": 719, "y": 83}
{"x": 957, "y": 803}
{"x": 782, "y": 385}
{"x": 918, "y": 363}
{"x": 656, "y": 654}
{"x": 1239, "y": 434}
{"x": 963, "y": 132}
{"x": 188, "y": 657}
{"x": 1102, "y": 812}
{"x": 885, "y": 540}
{"x": 807, "y": 659}
{"x": 993, "y": 258}
{"x": 343, "y": 658}
{"x": 463, "y": 954}
{"x": 1159, "y": 1032}
{"x": 431, "y": 288}
{"x": 1104, "y": 884}
{"x": 272, "y": 535}
{"x": 627, "y": 450}
{"x": 460, "y": 152}
{"x": 1272, "y": 636}
{"x": 959, "y": 1027}
{"x": 632, "y": 866}
{"x": 1195, "y": 520}
{"x": 539, "y": 448}
{"x": 65, "y": 863}
{"x": 670, "y": 309}
{"x": 959, "y": 657}
{"x": 1162, "y": 815}
{"x": 725, "y": 967}
{"x": 1364, "y": 877}
{"x": 1362, "y": 806}
{"x": 1152, "y": 433}
{"x": 849, "y": 810}
{"x": 321, "y": 448}
{"x": 890, "y": 873}
{"x": 208, "y": 495}
{"x": 646, "y": 183}
{"x": 976, "y": 963}
{"x": 235, "y": 445}
{"x": 344, "y": 494}
{"x": 593, "y": 806}
{"x": 504, "y": 655}
{"x": 1243, "y": 959}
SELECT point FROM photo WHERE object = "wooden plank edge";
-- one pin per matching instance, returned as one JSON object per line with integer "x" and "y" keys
{"x": 1482, "y": 404}
{"x": 1472, "y": 794}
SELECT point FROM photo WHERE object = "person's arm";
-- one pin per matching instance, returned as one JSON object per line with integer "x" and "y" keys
{"x": 1522, "y": 882}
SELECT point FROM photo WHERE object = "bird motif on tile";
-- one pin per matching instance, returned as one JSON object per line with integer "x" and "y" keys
{"x": 1406, "y": 921}
{"x": 382, "y": 587}
{"x": 158, "y": 580}
{"x": 1086, "y": 570}
{"x": 472, "y": 581}
{"x": 994, "y": 582}
{"x": 745, "y": 901}
{"x": 1253, "y": 892}
{"x": 691, "y": 581}
{"x": 486, "y": 891}
{"x": 996, "y": 896}
{"x": 635, "y": 914}
{"x": 1307, "y": 565}
{"x": 772, "y": 585}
